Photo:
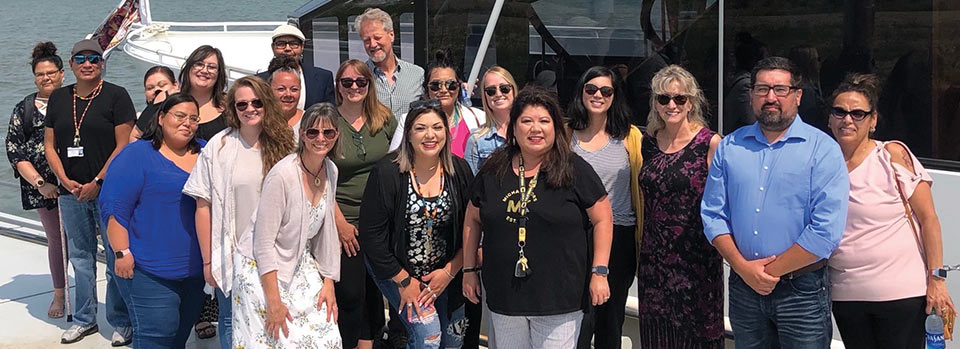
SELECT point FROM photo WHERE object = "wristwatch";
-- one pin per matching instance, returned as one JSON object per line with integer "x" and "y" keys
{"x": 404, "y": 283}
{"x": 98, "y": 180}
{"x": 122, "y": 253}
{"x": 939, "y": 273}
{"x": 40, "y": 182}
{"x": 601, "y": 270}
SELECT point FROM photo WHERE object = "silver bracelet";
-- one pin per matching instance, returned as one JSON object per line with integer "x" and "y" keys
{"x": 447, "y": 272}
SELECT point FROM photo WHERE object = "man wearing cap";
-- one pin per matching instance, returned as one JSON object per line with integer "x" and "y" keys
{"x": 87, "y": 124}
{"x": 318, "y": 82}
{"x": 398, "y": 82}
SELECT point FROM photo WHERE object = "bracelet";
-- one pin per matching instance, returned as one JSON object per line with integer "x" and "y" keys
{"x": 471, "y": 270}
{"x": 447, "y": 272}
{"x": 206, "y": 263}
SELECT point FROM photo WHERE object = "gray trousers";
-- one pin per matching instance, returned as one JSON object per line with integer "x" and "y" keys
{"x": 536, "y": 332}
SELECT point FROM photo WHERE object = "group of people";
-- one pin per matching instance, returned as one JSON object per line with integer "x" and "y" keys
{"x": 304, "y": 198}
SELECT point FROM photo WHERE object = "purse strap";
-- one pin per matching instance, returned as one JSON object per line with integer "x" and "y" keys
{"x": 906, "y": 208}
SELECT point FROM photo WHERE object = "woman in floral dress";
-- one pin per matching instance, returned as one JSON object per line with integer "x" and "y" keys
{"x": 680, "y": 274}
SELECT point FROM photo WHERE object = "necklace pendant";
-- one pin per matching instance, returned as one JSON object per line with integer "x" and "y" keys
{"x": 316, "y": 181}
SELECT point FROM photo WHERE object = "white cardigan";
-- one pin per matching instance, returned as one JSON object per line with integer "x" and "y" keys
{"x": 281, "y": 231}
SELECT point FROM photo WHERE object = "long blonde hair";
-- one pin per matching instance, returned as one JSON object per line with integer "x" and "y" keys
{"x": 659, "y": 85}
{"x": 491, "y": 123}
{"x": 276, "y": 138}
{"x": 375, "y": 112}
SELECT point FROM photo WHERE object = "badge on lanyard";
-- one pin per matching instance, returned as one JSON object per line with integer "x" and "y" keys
{"x": 75, "y": 152}
{"x": 522, "y": 268}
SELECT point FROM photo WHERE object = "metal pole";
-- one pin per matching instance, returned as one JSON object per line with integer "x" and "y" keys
{"x": 66, "y": 265}
{"x": 484, "y": 43}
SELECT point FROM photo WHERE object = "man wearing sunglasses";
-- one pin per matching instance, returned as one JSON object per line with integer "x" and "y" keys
{"x": 398, "y": 82}
{"x": 775, "y": 207}
{"x": 317, "y": 82}
{"x": 87, "y": 124}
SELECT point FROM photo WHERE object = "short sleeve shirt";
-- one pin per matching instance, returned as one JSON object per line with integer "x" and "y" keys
{"x": 361, "y": 150}
{"x": 557, "y": 241}
{"x": 110, "y": 108}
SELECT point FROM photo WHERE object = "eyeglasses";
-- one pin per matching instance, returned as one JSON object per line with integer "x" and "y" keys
{"x": 348, "y": 82}
{"x": 181, "y": 117}
{"x": 492, "y": 90}
{"x": 592, "y": 89}
{"x": 242, "y": 105}
{"x": 200, "y": 66}
{"x": 294, "y": 44}
{"x": 50, "y": 74}
{"x": 358, "y": 141}
{"x": 92, "y": 58}
{"x": 328, "y": 133}
{"x": 451, "y": 85}
{"x": 856, "y": 114}
{"x": 430, "y": 103}
{"x": 778, "y": 90}
{"x": 678, "y": 99}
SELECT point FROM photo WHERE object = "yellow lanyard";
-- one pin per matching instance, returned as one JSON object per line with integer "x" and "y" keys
{"x": 522, "y": 268}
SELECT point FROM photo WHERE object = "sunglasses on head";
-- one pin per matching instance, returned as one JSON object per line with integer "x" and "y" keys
{"x": 678, "y": 99}
{"x": 492, "y": 90}
{"x": 328, "y": 133}
{"x": 592, "y": 89}
{"x": 856, "y": 114}
{"x": 451, "y": 85}
{"x": 92, "y": 58}
{"x": 430, "y": 103}
{"x": 256, "y": 103}
{"x": 348, "y": 82}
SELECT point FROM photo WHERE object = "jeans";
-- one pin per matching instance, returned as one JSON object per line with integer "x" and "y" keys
{"x": 605, "y": 322}
{"x": 539, "y": 332}
{"x": 436, "y": 330}
{"x": 81, "y": 222}
{"x": 224, "y": 319}
{"x": 795, "y": 315}
{"x": 163, "y": 311}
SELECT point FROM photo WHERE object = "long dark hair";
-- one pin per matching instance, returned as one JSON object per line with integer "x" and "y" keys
{"x": 161, "y": 70}
{"x": 405, "y": 154}
{"x": 618, "y": 116}
{"x": 45, "y": 52}
{"x": 557, "y": 164}
{"x": 199, "y": 55}
{"x": 155, "y": 133}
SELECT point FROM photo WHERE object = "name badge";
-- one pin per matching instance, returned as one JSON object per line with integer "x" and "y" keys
{"x": 74, "y": 152}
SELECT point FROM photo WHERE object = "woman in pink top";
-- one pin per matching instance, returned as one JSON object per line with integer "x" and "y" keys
{"x": 882, "y": 287}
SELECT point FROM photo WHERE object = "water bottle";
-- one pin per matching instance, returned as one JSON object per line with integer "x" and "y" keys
{"x": 934, "y": 325}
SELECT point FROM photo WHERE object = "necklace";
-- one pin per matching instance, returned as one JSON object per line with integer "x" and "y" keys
{"x": 430, "y": 216}
{"x": 76, "y": 122}
{"x": 316, "y": 176}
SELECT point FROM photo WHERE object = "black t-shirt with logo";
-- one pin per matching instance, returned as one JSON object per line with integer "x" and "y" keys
{"x": 110, "y": 108}
{"x": 558, "y": 246}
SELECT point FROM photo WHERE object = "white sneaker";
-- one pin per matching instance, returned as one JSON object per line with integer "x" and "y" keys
{"x": 76, "y": 332}
{"x": 122, "y": 336}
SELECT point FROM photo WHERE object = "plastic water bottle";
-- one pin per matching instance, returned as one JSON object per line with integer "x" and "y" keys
{"x": 934, "y": 325}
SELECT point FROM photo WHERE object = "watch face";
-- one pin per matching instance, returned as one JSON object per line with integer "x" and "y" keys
{"x": 119, "y": 254}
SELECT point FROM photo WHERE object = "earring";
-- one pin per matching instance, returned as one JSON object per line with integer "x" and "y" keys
{"x": 873, "y": 129}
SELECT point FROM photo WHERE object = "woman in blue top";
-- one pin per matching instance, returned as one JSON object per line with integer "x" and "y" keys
{"x": 150, "y": 223}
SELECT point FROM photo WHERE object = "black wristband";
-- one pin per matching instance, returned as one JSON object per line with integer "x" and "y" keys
{"x": 471, "y": 270}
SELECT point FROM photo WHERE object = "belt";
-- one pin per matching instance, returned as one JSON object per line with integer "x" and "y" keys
{"x": 809, "y": 268}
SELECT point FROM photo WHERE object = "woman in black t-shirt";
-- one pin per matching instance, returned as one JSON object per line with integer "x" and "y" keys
{"x": 204, "y": 76}
{"x": 158, "y": 83}
{"x": 537, "y": 243}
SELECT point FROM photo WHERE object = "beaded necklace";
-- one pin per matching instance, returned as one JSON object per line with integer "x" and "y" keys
{"x": 76, "y": 122}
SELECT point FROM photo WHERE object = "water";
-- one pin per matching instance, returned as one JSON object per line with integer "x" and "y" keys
{"x": 934, "y": 326}
{"x": 24, "y": 23}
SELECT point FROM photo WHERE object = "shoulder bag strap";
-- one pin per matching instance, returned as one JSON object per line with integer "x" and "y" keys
{"x": 906, "y": 208}
{"x": 27, "y": 118}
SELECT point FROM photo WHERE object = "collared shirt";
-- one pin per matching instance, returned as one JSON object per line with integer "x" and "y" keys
{"x": 407, "y": 86}
{"x": 479, "y": 147}
{"x": 770, "y": 196}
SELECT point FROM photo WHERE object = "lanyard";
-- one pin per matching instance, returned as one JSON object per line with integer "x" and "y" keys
{"x": 522, "y": 268}
{"x": 430, "y": 216}
{"x": 76, "y": 122}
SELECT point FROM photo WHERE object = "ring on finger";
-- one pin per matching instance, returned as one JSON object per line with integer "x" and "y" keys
{"x": 434, "y": 296}
{"x": 429, "y": 289}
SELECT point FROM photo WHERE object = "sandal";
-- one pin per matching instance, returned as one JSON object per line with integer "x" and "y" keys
{"x": 205, "y": 330}
{"x": 56, "y": 307}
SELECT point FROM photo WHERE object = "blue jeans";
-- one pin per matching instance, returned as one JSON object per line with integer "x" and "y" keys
{"x": 81, "y": 222}
{"x": 448, "y": 329}
{"x": 795, "y": 315}
{"x": 163, "y": 311}
{"x": 224, "y": 319}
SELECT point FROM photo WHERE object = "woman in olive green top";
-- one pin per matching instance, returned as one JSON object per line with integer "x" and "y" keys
{"x": 365, "y": 129}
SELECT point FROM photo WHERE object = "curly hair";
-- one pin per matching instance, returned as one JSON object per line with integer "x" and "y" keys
{"x": 276, "y": 138}
{"x": 45, "y": 52}
{"x": 375, "y": 112}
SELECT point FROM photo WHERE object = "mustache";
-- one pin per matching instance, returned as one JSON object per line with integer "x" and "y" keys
{"x": 775, "y": 104}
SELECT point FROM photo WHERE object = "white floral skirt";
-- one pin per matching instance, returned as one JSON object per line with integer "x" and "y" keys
{"x": 309, "y": 328}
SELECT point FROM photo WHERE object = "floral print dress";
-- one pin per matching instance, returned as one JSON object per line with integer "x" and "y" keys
{"x": 309, "y": 328}
{"x": 23, "y": 147}
{"x": 680, "y": 274}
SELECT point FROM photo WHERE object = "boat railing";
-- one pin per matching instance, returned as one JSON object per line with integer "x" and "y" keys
{"x": 224, "y": 26}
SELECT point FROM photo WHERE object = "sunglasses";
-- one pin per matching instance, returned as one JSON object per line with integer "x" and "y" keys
{"x": 592, "y": 89}
{"x": 328, "y": 133}
{"x": 451, "y": 85}
{"x": 678, "y": 99}
{"x": 348, "y": 82}
{"x": 93, "y": 59}
{"x": 492, "y": 90}
{"x": 430, "y": 103}
{"x": 856, "y": 114}
{"x": 256, "y": 103}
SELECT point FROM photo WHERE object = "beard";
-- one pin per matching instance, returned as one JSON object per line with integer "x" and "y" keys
{"x": 378, "y": 57}
{"x": 774, "y": 120}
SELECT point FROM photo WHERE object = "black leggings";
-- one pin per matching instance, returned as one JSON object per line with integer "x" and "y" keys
{"x": 359, "y": 301}
{"x": 605, "y": 322}
{"x": 890, "y": 324}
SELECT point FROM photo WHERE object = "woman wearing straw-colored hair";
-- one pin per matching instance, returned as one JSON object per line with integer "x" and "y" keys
{"x": 227, "y": 184}
{"x": 366, "y": 126}
{"x": 284, "y": 292}
{"x": 885, "y": 274}
{"x": 677, "y": 150}
{"x": 499, "y": 90}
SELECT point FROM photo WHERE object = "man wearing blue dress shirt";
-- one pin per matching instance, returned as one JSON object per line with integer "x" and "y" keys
{"x": 775, "y": 206}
